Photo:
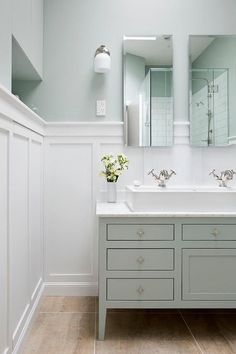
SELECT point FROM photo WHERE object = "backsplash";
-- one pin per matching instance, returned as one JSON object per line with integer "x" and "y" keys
{"x": 192, "y": 165}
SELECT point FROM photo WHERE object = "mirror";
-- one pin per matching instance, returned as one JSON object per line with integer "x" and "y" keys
{"x": 148, "y": 92}
{"x": 212, "y": 89}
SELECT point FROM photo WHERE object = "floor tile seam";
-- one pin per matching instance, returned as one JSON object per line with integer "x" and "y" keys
{"x": 67, "y": 312}
{"x": 227, "y": 341}
{"x": 95, "y": 329}
{"x": 95, "y": 333}
{"x": 208, "y": 314}
{"x": 191, "y": 333}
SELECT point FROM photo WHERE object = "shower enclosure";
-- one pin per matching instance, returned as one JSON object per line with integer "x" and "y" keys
{"x": 209, "y": 107}
{"x": 156, "y": 108}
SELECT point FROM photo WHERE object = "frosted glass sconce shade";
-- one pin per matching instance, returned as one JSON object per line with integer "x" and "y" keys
{"x": 102, "y": 60}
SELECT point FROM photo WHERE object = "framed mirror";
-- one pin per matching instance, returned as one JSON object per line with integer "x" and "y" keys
{"x": 212, "y": 89}
{"x": 148, "y": 90}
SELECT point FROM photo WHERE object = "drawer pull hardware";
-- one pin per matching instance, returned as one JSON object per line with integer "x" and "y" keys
{"x": 215, "y": 232}
{"x": 140, "y": 290}
{"x": 140, "y": 233}
{"x": 140, "y": 259}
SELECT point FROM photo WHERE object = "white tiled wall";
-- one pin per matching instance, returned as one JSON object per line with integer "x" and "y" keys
{"x": 162, "y": 118}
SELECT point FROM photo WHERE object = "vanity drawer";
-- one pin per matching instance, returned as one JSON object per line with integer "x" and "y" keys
{"x": 140, "y": 289}
{"x": 140, "y": 259}
{"x": 140, "y": 232}
{"x": 210, "y": 232}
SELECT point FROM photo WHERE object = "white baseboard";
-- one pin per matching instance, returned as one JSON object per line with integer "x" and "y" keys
{"x": 232, "y": 140}
{"x": 70, "y": 288}
{"x": 28, "y": 322}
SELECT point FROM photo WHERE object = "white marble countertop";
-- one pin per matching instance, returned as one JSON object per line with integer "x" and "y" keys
{"x": 122, "y": 210}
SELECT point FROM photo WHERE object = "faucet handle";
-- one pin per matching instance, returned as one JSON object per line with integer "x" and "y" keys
{"x": 212, "y": 172}
{"x": 228, "y": 174}
{"x": 151, "y": 172}
{"x": 224, "y": 176}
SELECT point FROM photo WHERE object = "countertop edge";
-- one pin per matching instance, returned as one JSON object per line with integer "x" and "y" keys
{"x": 122, "y": 210}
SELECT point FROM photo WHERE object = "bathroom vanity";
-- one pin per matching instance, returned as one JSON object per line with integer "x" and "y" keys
{"x": 165, "y": 259}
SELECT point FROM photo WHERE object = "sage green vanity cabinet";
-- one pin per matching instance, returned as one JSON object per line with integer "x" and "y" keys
{"x": 166, "y": 262}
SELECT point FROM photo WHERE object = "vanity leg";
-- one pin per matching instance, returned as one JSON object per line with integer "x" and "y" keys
{"x": 102, "y": 323}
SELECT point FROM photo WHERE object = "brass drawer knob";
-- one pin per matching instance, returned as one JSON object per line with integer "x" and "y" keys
{"x": 140, "y": 290}
{"x": 140, "y": 232}
{"x": 215, "y": 232}
{"x": 140, "y": 259}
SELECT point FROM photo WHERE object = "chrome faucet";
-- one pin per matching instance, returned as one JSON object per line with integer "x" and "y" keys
{"x": 163, "y": 176}
{"x": 224, "y": 177}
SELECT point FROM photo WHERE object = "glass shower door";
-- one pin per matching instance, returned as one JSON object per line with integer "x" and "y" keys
{"x": 209, "y": 107}
{"x": 144, "y": 112}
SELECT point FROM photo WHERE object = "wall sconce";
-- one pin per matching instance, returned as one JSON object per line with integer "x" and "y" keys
{"x": 102, "y": 60}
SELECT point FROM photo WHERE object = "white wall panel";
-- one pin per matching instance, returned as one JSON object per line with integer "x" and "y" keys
{"x": 4, "y": 150}
{"x": 19, "y": 233}
{"x": 69, "y": 212}
{"x": 35, "y": 215}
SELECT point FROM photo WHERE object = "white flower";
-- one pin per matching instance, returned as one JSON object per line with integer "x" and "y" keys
{"x": 114, "y": 166}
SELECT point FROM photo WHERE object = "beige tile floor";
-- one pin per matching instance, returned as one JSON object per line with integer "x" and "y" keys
{"x": 68, "y": 325}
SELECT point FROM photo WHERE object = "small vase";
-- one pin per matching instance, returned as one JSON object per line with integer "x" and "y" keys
{"x": 111, "y": 192}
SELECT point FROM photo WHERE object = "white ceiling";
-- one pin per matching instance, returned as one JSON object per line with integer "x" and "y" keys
{"x": 156, "y": 52}
{"x": 198, "y": 44}
{"x": 159, "y": 52}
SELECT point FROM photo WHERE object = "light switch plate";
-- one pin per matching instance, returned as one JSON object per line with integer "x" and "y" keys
{"x": 100, "y": 108}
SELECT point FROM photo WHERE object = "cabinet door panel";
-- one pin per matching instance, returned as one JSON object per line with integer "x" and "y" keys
{"x": 208, "y": 274}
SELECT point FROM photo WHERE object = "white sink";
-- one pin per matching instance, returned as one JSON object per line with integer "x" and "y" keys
{"x": 181, "y": 199}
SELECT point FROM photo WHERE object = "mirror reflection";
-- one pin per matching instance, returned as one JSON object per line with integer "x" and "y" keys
{"x": 212, "y": 89}
{"x": 148, "y": 93}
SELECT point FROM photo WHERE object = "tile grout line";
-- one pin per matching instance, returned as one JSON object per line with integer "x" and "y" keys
{"x": 190, "y": 331}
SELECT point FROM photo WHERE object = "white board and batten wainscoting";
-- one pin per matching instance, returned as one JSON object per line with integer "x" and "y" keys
{"x": 21, "y": 219}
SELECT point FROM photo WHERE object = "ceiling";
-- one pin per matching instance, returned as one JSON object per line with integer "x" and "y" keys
{"x": 156, "y": 52}
{"x": 198, "y": 44}
{"x": 159, "y": 52}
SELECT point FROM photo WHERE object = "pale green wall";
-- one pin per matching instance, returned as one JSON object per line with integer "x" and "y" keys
{"x": 27, "y": 28}
{"x": 161, "y": 83}
{"x": 24, "y": 20}
{"x": 134, "y": 76}
{"x": 221, "y": 53}
{"x": 5, "y": 43}
{"x": 75, "y": 28}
